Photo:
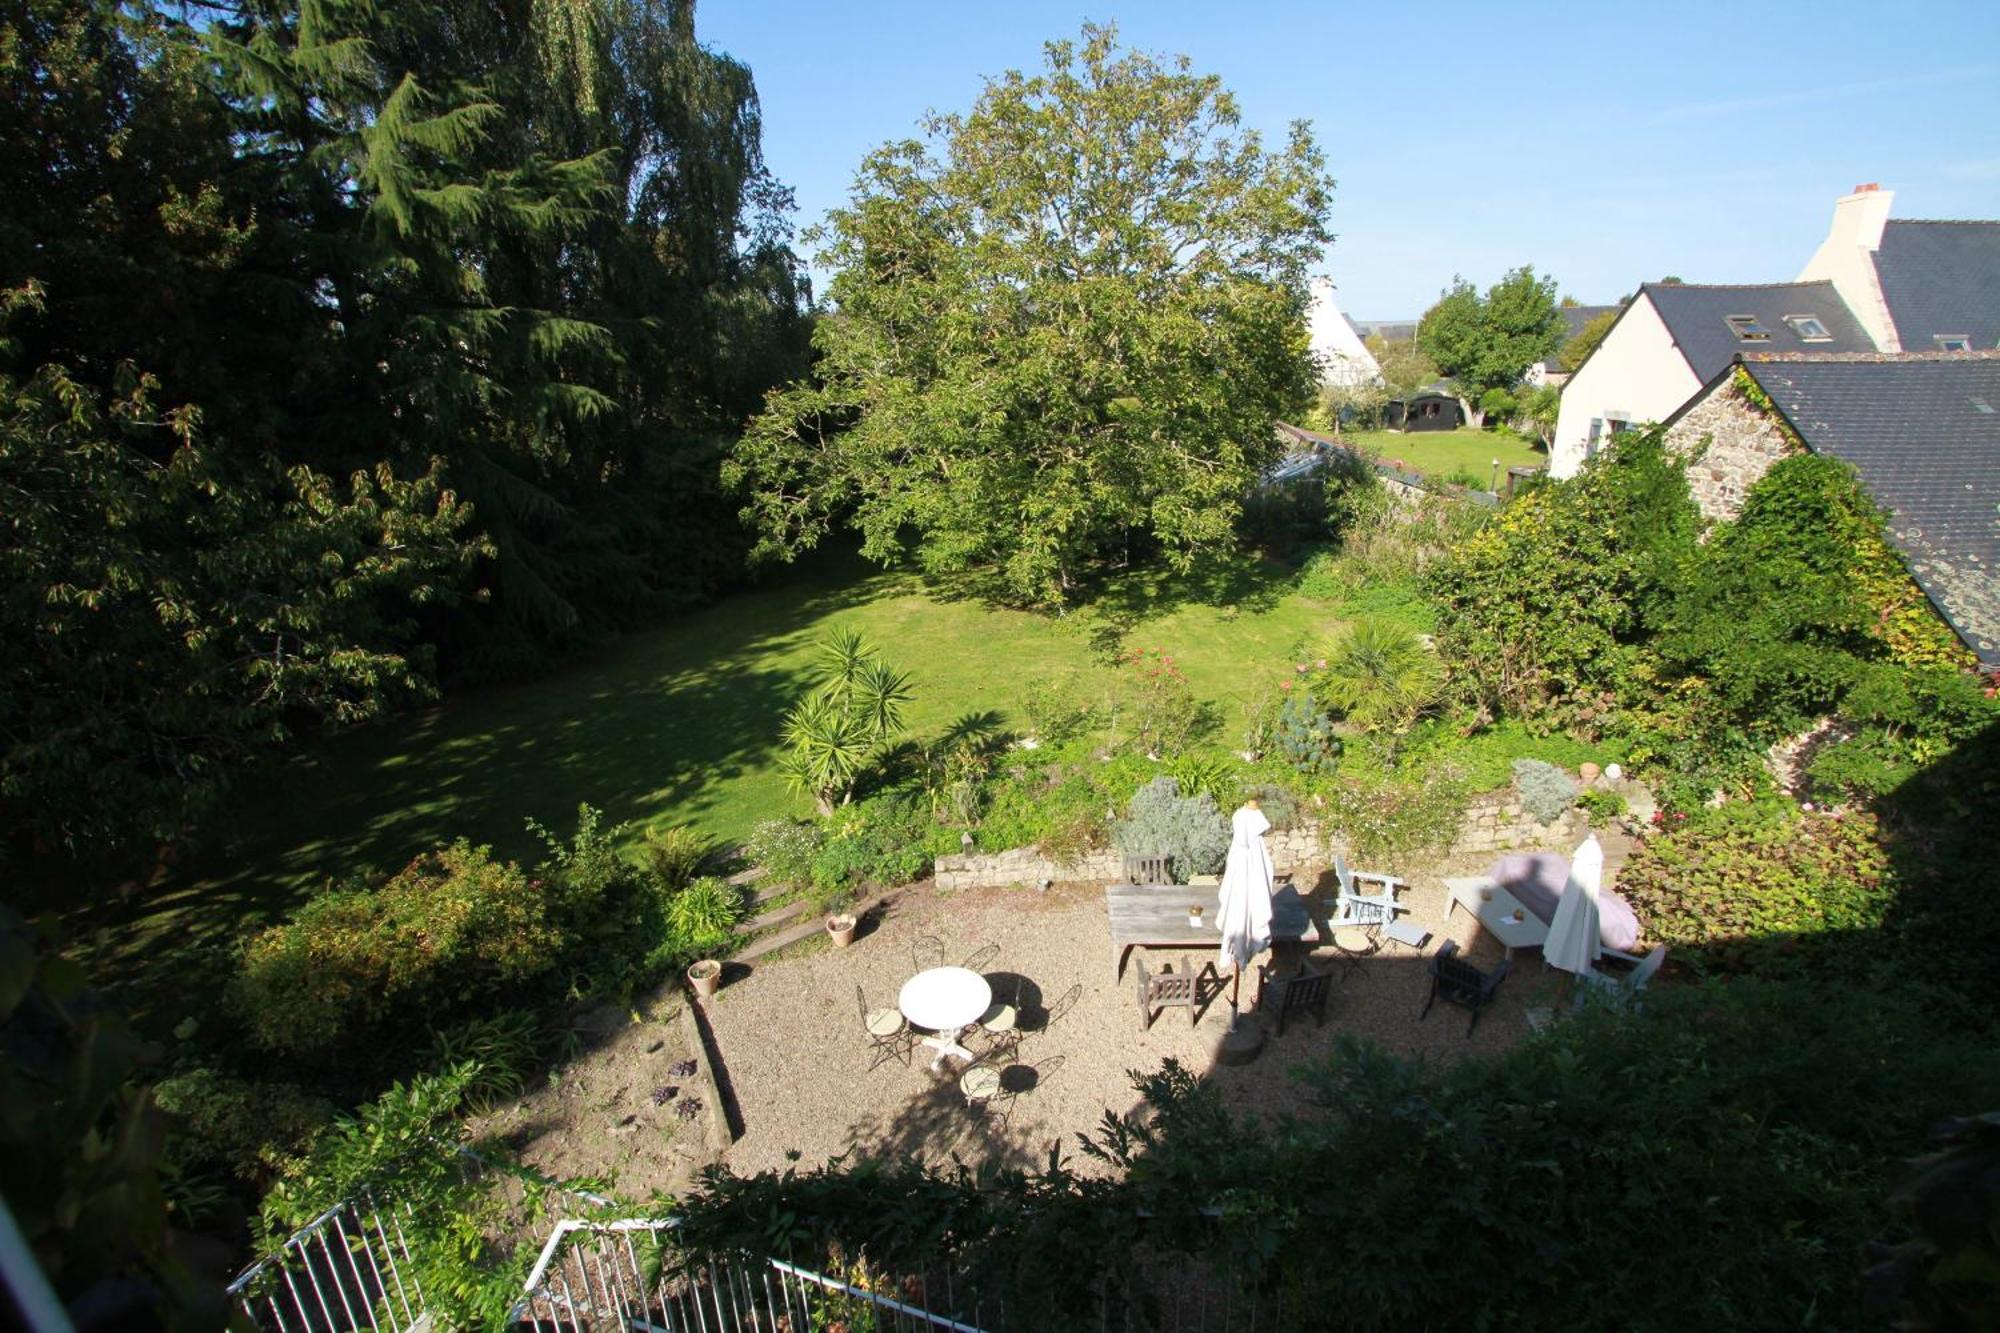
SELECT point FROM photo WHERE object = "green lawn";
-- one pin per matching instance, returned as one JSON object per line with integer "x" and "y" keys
{"x": 679, "y": 725}
{"x": 1439, "y": 452}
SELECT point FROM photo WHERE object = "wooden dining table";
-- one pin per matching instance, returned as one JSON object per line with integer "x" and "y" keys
{"x": 1156, "y": 916}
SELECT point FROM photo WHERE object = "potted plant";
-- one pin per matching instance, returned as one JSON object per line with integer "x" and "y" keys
{"x": 840, "y": 925}
{"x": 705, "y": 976}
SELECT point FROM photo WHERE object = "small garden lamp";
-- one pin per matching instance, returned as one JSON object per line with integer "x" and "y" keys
{"x": 1493, "y": 480}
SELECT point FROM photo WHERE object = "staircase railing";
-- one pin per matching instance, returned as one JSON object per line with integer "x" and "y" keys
{"x": 627, "y": 1275}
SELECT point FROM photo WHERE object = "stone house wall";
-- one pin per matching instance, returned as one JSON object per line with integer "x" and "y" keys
{"x": 1730, "y": 444}
{"x": 1493, "y": 823}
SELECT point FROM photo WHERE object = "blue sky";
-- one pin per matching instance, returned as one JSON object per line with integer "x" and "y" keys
{"x": 1604, "y": 143}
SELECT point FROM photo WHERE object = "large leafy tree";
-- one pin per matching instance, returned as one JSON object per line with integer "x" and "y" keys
{"x": 1488, "y": 341}
{"x": 346, "y": 342}
{"x": 1065, "y": 321}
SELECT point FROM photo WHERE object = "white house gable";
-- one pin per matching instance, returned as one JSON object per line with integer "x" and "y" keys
{"x": 1343, "y": 358}
{"x": 1636, "y": 375}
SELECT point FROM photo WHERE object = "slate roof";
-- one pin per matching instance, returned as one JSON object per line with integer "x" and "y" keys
{"x": 1923, "y": 432}
{"x": 1941, "y": 277}
{"x": 1395, "y": 330}
{"x": 1697, "y": 318}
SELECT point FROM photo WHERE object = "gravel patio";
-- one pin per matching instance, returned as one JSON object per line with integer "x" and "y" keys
{"x": 796, "y": 1062}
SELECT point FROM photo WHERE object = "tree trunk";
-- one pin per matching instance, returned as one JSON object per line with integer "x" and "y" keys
{"x": 1473, "y": 416}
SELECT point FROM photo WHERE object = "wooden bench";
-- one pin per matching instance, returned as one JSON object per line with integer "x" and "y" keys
{"x": 1156, "y": 916}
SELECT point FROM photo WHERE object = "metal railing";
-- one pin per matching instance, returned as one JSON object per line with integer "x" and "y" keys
{"x": 342, "y": 1271}
{"x": 627, "y": 1275}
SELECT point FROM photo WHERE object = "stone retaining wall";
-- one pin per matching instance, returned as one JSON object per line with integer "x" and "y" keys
{"x": 1493, "y": 823}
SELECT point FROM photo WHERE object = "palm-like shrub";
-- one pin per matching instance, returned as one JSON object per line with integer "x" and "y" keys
{"x": 837, "y": 732}
{"x": 1380, "y": 676}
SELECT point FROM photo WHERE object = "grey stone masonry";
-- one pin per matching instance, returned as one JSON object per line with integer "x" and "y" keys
{"x": 1730, "y": 444}
{"x": 1493, "y": 823}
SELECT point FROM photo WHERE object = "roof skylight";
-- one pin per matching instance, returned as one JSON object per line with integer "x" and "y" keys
{"x": 1809, "y": 328}
{"x": 1748, "y": 329}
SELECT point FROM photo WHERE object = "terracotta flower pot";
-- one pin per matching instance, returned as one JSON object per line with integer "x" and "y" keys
{"x": 841, "y": 927}
{"x": 705, "y": 976}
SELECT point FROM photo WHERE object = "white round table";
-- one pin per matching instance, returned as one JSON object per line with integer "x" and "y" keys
{"x": 946, "y": 1000}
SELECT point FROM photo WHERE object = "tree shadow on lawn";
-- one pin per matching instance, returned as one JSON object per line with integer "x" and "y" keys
{"x": 658, "y": 722}
{"x": 1123, "y": 597}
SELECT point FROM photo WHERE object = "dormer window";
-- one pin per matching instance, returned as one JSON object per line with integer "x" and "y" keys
{"x": 1748, "y": 329}
{"x": 1953, "y": 342}
{"x": 1809, "y": 328}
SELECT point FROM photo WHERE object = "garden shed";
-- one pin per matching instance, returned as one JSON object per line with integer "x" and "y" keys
{"x": 1432, "y": 409}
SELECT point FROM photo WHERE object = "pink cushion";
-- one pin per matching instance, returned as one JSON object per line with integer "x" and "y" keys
{"x": 1617, "y": 925}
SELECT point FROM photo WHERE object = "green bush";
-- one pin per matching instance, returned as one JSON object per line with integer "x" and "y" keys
{"x": 1197, "y": 774}
{"x": 1279, "y": 804}
{"x": 1545, "y": 790}
{"x": 1058, "y": 795}
{"x": 1540, "y": 612}
{"x": 1763, "y": 887}
{"x": 674, "y": 856}
{"x": 1600, "y": 805}
{"x": 452, "y": 928}
{"x": 1189, "y": 830}
{"x": 1160, "y": 708}
{"x": 245, "y": 1128}
{"x": 1057, "y": 708}
{"x": 883, "y": 841}
{"x": 502, "y": 1049}
{"x": 702, "y": 917}
{"x": 1487, "y": 753}
{"x": 1379, "y": 676}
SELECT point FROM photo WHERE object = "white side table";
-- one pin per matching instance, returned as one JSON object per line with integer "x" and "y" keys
{"x": 947, "y": 1000}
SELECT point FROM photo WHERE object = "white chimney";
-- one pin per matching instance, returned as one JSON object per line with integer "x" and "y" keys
{"x": 1858, "y": 217}
{"x": 1847, "y": 259}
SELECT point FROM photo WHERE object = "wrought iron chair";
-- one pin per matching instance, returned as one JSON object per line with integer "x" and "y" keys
{"x": 1002, "y": 1020}
{"x": 980, "y": 958}
{"x": 1172, "y": 990}
{"x": 1149, "y": 869}
{"x": 927, "y": 952}
{"x": 1012, "y": 1082}
{"x": 1062, "y": 1006}
{"x": 1305, "y": 991}
{"x": 890, "y": 1035}
{"x": 1456, "y": 981}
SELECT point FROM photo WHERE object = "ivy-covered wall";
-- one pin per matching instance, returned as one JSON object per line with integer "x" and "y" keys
{"x": 1729, "y": 444}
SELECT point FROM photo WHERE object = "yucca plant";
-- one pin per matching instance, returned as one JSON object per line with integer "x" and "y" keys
{"x": 836, "y": 732}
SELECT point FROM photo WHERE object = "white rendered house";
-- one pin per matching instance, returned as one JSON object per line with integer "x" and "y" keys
{"x": 1876, "y": 284}
{"x": 1673, "y": 338}
{"x": 1343, "y": 358}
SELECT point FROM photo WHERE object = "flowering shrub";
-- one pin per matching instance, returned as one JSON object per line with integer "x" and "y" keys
{"x": 1381, "y": 813}
{"x": 1164, "y": 713}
